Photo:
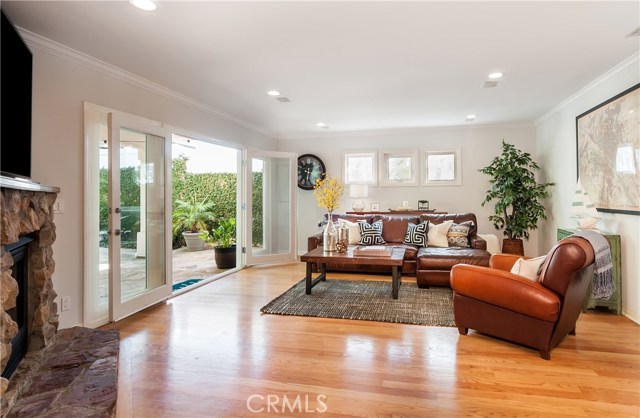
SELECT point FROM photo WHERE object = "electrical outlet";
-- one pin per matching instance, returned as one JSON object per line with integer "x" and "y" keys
{"x": 66, "y": 303}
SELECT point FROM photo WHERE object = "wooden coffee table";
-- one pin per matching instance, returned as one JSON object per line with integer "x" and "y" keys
{"x": 322, "y": 258}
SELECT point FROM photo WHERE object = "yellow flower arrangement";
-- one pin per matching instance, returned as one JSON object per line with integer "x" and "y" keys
{"x": 328, "y": 192}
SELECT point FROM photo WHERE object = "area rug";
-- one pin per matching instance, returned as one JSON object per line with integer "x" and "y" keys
{"x": 367, "y": 300}
{"x": 184, "y": 284}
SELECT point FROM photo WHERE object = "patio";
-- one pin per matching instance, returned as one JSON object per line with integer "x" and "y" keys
{"x": 186, "y": 265}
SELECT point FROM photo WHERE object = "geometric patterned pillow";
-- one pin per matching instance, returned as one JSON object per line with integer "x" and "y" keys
{"x": 371, "y": 234}
{"x": 417, "y": 234}
{"x": 458, "y": 235}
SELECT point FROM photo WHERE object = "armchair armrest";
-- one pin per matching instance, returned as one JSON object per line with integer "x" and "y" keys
{"x": 506, "y": 290}
{"x": 314, "y": 241}
{"x": 503, "y": 261}
{"x": 477, "y": 242}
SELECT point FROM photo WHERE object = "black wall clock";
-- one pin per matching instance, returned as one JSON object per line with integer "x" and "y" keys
{"x": 310, "y": 169}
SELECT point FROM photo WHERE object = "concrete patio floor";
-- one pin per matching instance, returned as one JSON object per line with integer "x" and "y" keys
{"x": 186, "y": 265}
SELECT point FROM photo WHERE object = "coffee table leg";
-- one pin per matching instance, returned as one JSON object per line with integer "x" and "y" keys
{"x": 323, "y": 271}
{"x": 395, "y": 282}
{"x": 307, "y": 278}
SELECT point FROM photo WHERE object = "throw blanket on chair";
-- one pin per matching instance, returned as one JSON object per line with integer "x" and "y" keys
{"x": 603, "y": 285}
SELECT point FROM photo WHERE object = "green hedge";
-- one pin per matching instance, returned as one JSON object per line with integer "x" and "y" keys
{"x": 218, "y": 187}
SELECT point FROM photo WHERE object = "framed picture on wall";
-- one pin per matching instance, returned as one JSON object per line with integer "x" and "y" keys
{"x": 608, "y": 153}
{"x": 375, "y": 207}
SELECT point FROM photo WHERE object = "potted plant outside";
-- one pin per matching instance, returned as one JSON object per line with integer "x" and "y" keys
{"x": 518, "y": 196}
{"x": 191, "y": 218}
{"x": 223, "y": 238}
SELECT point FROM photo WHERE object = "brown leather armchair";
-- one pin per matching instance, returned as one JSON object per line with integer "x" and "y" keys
{"x": 539, "y": 314}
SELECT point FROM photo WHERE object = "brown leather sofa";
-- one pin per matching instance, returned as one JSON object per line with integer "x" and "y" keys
{"x": 535, "y": 314}
{"x": 430, "y": 265}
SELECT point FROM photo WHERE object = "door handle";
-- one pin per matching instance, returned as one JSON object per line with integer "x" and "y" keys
{"x": 116, "y": 232}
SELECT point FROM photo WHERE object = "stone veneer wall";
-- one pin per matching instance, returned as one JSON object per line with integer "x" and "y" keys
{"x": 27, "y": 213}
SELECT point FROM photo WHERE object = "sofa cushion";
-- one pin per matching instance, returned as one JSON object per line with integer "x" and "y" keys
{"x": 417, "y": 234}
{"x": 438, "y": 234}
{"x": 458, "y": 234}
{"x": 432, "y": 258}
{"x": 371, "y": 234}
{"x": 354, "y": 230}
{"x": 395, "y": 226}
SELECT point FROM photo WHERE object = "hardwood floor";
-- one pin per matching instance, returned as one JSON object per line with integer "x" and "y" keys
{"x": 211, "y": 353}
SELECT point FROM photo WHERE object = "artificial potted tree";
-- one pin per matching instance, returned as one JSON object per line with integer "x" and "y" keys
{"x": 223, "y": 238}
{"x": 518, "y": 196}
{"x": 191, "y": 217}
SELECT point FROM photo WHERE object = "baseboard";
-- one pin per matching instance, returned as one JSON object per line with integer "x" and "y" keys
{"x": 631, "y": 314}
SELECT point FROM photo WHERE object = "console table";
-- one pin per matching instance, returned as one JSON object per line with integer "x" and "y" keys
{"x": 396, "y": 212}
{"x": 615, "y": 300}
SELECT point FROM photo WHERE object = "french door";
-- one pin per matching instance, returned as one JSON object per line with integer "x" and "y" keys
{"x": 139, "y": 224}
{"x": 270, "y": 225}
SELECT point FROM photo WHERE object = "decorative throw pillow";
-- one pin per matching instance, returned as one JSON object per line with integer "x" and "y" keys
{"x": 371, "y": 234}
{"x": 458, "y": 235}
{"x": 354, "y": 230}
{"x": 437, "y": 235}
{"x": 417, "y": 234}
{"x": 528, "y": 268}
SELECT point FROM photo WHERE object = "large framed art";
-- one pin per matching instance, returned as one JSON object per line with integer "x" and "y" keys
{"x": 608, "y": 152}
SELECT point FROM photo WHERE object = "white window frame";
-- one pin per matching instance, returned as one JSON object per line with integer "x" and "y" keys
{"x": 371, "y": 178}
{"x": 457, "y": 168}
{"x": 386, "y": 155}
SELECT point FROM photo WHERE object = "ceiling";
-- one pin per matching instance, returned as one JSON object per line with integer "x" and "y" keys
{"x": 352, "y": 65}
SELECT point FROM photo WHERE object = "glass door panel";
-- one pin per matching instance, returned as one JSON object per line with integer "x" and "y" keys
{"x": 271, "y": 229}
{"x": 139, "y": 238}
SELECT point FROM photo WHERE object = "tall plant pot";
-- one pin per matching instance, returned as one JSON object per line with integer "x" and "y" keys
{"x": 225, "y": 257}
{"x": 513, "y": 246}
{"x": 193, "y": 240}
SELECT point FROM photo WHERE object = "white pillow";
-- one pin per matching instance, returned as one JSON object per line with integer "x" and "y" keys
{"x": 437, "y": 235}
{"x": 528, "y": 268}
{"x": 354, "y": 230}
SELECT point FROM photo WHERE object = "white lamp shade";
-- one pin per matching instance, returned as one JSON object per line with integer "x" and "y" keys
{"x": 358, "y": 190}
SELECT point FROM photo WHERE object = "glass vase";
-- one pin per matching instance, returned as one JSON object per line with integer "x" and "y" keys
{"x": 330, "y": 236}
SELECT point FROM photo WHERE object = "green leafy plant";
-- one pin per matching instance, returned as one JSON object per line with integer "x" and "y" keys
{"x": 223, "y": 236}
{"x": 192, "y": 216}
{"x": 518, "y": 195}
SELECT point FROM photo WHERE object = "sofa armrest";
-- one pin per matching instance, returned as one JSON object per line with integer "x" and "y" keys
{"x": 506, "y": 290}
{"x": 477, "y": 242}
{"x": 504, "y": 261}
{"x": 314, "y": 241}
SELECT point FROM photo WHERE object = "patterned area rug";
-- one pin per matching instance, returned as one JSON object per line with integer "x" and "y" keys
{"x": 367, "y": 300}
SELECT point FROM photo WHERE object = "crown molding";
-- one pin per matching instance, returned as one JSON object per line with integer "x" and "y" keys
{"x": 398, "y": 131}
{"x": 41, "y": 43}
{"x": 631, "y": 63}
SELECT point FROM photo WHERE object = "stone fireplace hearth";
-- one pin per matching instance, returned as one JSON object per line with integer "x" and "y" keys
{"x": 72, "y": 372}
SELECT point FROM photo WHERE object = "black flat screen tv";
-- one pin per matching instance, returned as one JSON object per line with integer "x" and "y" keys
{"x": 16, "y": 90}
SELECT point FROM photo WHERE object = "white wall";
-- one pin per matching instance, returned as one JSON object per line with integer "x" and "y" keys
{"x": 556, "y": 142}
{"x": 60, "y": 88}
{"x": 479, "y": 145}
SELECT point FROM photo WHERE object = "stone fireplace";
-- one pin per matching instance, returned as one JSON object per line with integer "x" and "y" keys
{"x": 26, "y": 210}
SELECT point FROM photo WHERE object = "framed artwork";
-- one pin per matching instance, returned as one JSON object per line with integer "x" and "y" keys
{"x": 608, "y": 153}
{"x": 441, "y": 168}
{"x": 375, "y": 207}
{"x": 399, "y": 167}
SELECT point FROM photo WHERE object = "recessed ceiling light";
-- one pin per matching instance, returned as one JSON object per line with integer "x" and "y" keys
{"x": 273, "y": 93}
{"x": 496, "y": 76}
{"x": 321, "y": 125}
{"x": 148, "y": 5}
{"x": 470, "y": 117}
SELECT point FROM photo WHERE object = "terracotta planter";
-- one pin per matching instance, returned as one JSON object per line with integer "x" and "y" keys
{"x": 513, "y": 246}
{"x": 225, "y": 257}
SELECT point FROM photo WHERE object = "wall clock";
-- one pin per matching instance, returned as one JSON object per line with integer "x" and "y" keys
{"x": 310, "y": 169}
